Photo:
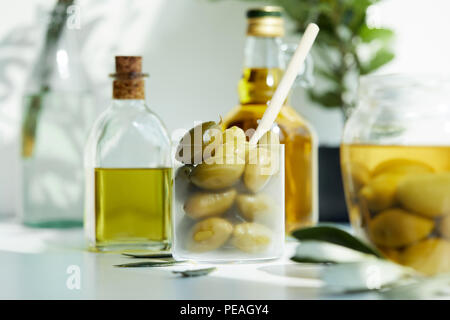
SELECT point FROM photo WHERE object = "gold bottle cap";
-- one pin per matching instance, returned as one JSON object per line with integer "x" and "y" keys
{"x": 128, "y": 83}
{"x": 265, "y": 22}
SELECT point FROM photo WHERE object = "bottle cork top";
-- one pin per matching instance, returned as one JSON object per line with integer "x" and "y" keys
{"x": 128, "y": 83}
{"x": 127, "y": 64}
{"x": 128, "y": 67}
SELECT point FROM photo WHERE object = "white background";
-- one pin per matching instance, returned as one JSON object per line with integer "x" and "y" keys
{"x": 193, "y": 50}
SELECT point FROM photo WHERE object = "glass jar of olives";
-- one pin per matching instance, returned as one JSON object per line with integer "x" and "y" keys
{"x": 229, "y": 197}
{"x": 395, "y": 159}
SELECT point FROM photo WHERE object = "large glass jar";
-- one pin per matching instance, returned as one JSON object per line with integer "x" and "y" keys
{"x": 395, "y": 159}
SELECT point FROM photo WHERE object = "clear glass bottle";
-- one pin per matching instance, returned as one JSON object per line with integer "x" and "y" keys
{"x": 58, "y": 110}
{"x": 395, "y": 159}
{"x": 263, "y": 68}
{"x": 128, "y": 170}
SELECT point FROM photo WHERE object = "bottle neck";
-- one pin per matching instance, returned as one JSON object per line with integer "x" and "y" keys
{"x": 263, "y": 69}
{"x": 263, "y": 52}
{"x": 129, "y": 89}
{"x": 58, "y": 67}
{"x": 129, "y": 103}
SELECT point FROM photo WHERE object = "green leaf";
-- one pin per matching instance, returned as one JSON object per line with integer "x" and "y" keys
{"x": 147, "y": 264}
{"x": 195, "y": 272}
{"x": 356, "y": 11}
{"x": 335, "y": 236}
{"x": 382, "y": 57}
{"x": 367, "y": 34}
{"x": 162, "y": 254}
{"x": 327, "y": 99}
{"x": 301, "y": 259}
{"x": 328, "y": 75}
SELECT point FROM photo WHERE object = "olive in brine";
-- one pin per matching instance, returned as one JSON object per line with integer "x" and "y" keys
{"x": 254, "y": 206}
{"x": 429, "y": 256}
{"x": 394, "y": 228}
{"x": 401, "y": 166}
{"x": 209, "y": 234}
{"x": 233, "y": 147}
{"x": 379, "y": 193}
{"x": 216, "y": 176}
{"x": 427, "y": 194}
{"x": 251, "y": 237}
{"x": 262, "y": 164}
{"x": 207, "y": 204}
{"x": 191, "y": 148}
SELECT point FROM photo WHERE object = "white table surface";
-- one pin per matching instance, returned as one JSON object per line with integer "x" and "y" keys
{"x": 34, "y": 262}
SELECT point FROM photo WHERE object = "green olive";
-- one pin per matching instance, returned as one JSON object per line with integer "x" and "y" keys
{"x": 379, "y": 193}
{"x": 251, "y": 237}
{"x": 430, "y": 256}
{"x": 426, "y": 193}
{"x": 216, "y": 176}
{"x": 191, "y": 149}
{"x": 254, "y": 206}
{"x": 401, "y": 166}
{"x": 209, "y": 234}
{"x": 234, "y": 141}
{"x": 262, "y": 164}
{"x": 394, "y": 228}
{"x": 207, "y": 204}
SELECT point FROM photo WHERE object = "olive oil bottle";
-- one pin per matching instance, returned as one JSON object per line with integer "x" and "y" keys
{"x": 128, "y": 170}
{"x": 263, "y": 70}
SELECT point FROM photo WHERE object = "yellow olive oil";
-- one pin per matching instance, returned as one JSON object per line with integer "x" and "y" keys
{"x": 132, "y": 206}
{"x": 255, "y": 91}
{"x": 399, "y": 198}
{"x": 258, "y": 85}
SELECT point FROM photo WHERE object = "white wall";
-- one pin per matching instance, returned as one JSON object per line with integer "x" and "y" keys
{"x": 193, "y": 51}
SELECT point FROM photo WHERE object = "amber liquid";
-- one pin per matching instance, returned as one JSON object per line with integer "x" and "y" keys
{"x": 255, "y": 91}
{"x": 132, "y": 206}
{"x": 399, "y": 198}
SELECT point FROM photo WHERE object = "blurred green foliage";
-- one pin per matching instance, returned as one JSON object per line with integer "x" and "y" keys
{"x": 346, "y": 46}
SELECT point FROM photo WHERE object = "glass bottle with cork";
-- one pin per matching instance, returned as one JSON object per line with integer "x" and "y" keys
{"x": 263, "y": 69}
{"x": 128, "y": 170}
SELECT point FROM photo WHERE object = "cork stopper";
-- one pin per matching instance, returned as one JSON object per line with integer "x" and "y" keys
{"x": 129, "y": 82}
{"x": 128, "y": 64}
